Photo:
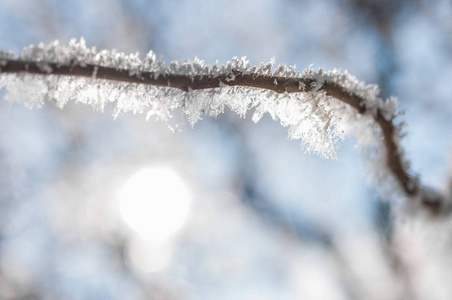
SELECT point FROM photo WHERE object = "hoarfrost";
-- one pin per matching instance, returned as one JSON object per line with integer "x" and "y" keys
{"x": 318, "y": 120}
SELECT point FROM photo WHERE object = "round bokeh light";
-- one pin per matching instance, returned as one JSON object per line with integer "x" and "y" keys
{"x": 155, "y": 202}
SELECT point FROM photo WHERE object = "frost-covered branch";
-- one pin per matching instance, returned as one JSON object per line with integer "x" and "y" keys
{"x": 197, "y": 82}
{"x": 319, "y": 107}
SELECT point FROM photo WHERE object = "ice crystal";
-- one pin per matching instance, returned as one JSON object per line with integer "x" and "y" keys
{"x": 313, "y": 117}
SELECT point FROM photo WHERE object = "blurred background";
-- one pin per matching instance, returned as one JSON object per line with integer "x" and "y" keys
{"x": 97, "y": 208}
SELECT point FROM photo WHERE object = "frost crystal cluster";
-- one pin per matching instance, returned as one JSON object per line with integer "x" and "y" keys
{"x": 192, "y": 89}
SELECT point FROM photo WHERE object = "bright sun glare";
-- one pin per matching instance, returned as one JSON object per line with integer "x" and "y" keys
{"x": 155, "y": 202}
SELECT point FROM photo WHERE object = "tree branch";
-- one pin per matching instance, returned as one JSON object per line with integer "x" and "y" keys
{"x": 277, "y": 84}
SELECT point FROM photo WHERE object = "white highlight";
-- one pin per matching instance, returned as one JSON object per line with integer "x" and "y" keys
{"x": 148, "y": 257}
{"x": 155, "y": 202}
